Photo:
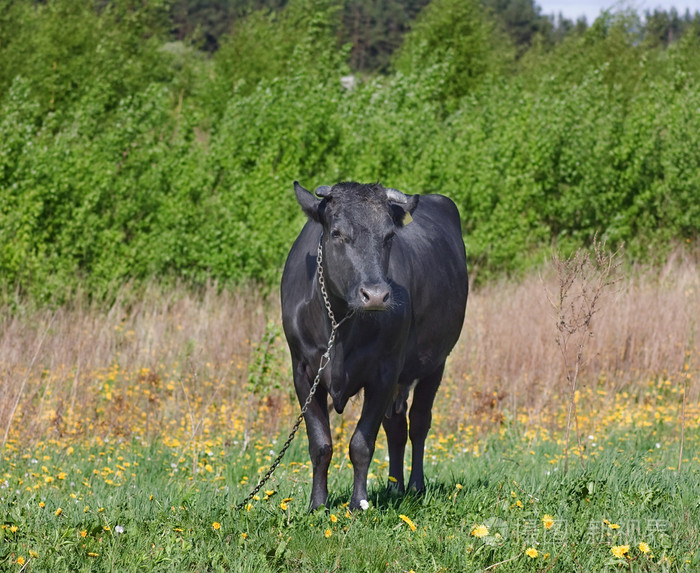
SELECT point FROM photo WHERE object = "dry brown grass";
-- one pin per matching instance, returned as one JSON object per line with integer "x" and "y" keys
{"x": 646, "y": 330}
{"x": 177, "y": 359}
{"x": 167, "y": 355}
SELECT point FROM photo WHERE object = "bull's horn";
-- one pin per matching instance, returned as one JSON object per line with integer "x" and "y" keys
{"x": 323, "y": 191}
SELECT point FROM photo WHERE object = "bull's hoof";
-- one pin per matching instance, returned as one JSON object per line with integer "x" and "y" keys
{"x": 395, "y": 486}
{"x": 415, "y": 488}
{"x": 362, "y": 505}
{"x": 317, "y": 503}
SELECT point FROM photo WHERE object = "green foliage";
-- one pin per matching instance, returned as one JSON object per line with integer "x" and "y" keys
{"x": 457, "y": 38}
{"x": 269, "y": 45}
{"x": 137, "y": 158}
{"x": 63, "y": 47}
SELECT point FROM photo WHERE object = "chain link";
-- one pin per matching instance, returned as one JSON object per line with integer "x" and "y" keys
{"x": 325, "y": 360}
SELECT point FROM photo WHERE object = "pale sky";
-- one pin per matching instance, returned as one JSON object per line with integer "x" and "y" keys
{"x": 572, "y": 9}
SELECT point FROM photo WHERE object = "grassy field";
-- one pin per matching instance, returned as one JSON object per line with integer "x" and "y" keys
{"x": 131, "y": 434}
{"x": 129, "y": 505}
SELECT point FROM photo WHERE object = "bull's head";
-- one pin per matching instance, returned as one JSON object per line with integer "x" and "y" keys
{"x": 359, "y": 223}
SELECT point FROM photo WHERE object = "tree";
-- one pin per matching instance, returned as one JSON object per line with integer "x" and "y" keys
{"x": 457, "y": 37}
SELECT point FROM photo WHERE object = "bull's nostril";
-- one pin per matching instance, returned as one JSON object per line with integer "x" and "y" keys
{"x": 375, "y": 297}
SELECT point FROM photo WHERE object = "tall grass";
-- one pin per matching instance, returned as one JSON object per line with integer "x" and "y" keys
{"x": 162, "y": 354}
{"x": 171, "y": 358}
{"x": 646, "y": 331}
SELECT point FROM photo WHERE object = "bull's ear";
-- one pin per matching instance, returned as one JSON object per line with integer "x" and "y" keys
{"x": 402, "y": 206}
{"x": 308, "y": 202}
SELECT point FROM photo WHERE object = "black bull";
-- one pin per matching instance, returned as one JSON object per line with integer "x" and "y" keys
{"x": 397, "y": 263}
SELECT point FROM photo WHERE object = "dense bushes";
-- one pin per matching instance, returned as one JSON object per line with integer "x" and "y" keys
{"x": 130, "y": 158}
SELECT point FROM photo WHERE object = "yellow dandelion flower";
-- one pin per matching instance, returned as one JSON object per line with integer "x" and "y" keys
{"x": 531, "y": 552}
{"x": 392, "y": 479}
{"x": 620, "y": 551}
{"x": 519, "y": 503}
{"x": 33, "y": 554}
{"x": 106, "y": 528}
{"x": 244, "y": 535}
{"x": 58, "y": 512}
{"x": 613, "y": 526}
{"x": 459, "y": 486}
{"x": 334, "y": 519}
{"x": 547, "y": 521}
{"x": 216, "y": 525}
{"x": 42, "y": 505}
{"x": 92, "y": 554}
{"x": 13, "y": 528}
{"x": 20, "y": 560}
{"x": 269, "y": 492}
{"x": 328, "y": 533}
{"x": 644, "y": 547}
{"x": 83, "y": 533}
{"x": 407, "y": 521}
{"x": 480, "y": 531}
{"x": 283, "y": 506}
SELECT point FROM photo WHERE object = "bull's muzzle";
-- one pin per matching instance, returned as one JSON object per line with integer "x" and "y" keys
{"x": 375, "y": 297}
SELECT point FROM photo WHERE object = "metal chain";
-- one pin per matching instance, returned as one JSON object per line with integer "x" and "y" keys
{"x": 325, "y": 360}
{"x": 322, "y": 283}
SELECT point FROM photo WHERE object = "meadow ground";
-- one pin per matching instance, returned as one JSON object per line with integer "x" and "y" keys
{"x": 131, "y": 434}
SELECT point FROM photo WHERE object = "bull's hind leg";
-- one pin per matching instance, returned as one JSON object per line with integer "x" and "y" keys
{"x": 420, "y": 418}
{"x": 318, "y": 431}
{"x": 396, "y": 431}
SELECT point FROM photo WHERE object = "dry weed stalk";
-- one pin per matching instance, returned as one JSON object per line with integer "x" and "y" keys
{"x": 680, "y": 452}
{"x": 583, "y": 279}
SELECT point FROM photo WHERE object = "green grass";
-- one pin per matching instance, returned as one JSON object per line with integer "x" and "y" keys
{"x": 167, "y": 513}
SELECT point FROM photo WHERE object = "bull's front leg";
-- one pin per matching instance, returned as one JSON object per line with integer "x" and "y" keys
{"x": 318, "y": 432}
{"x": 377, "y": 398}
